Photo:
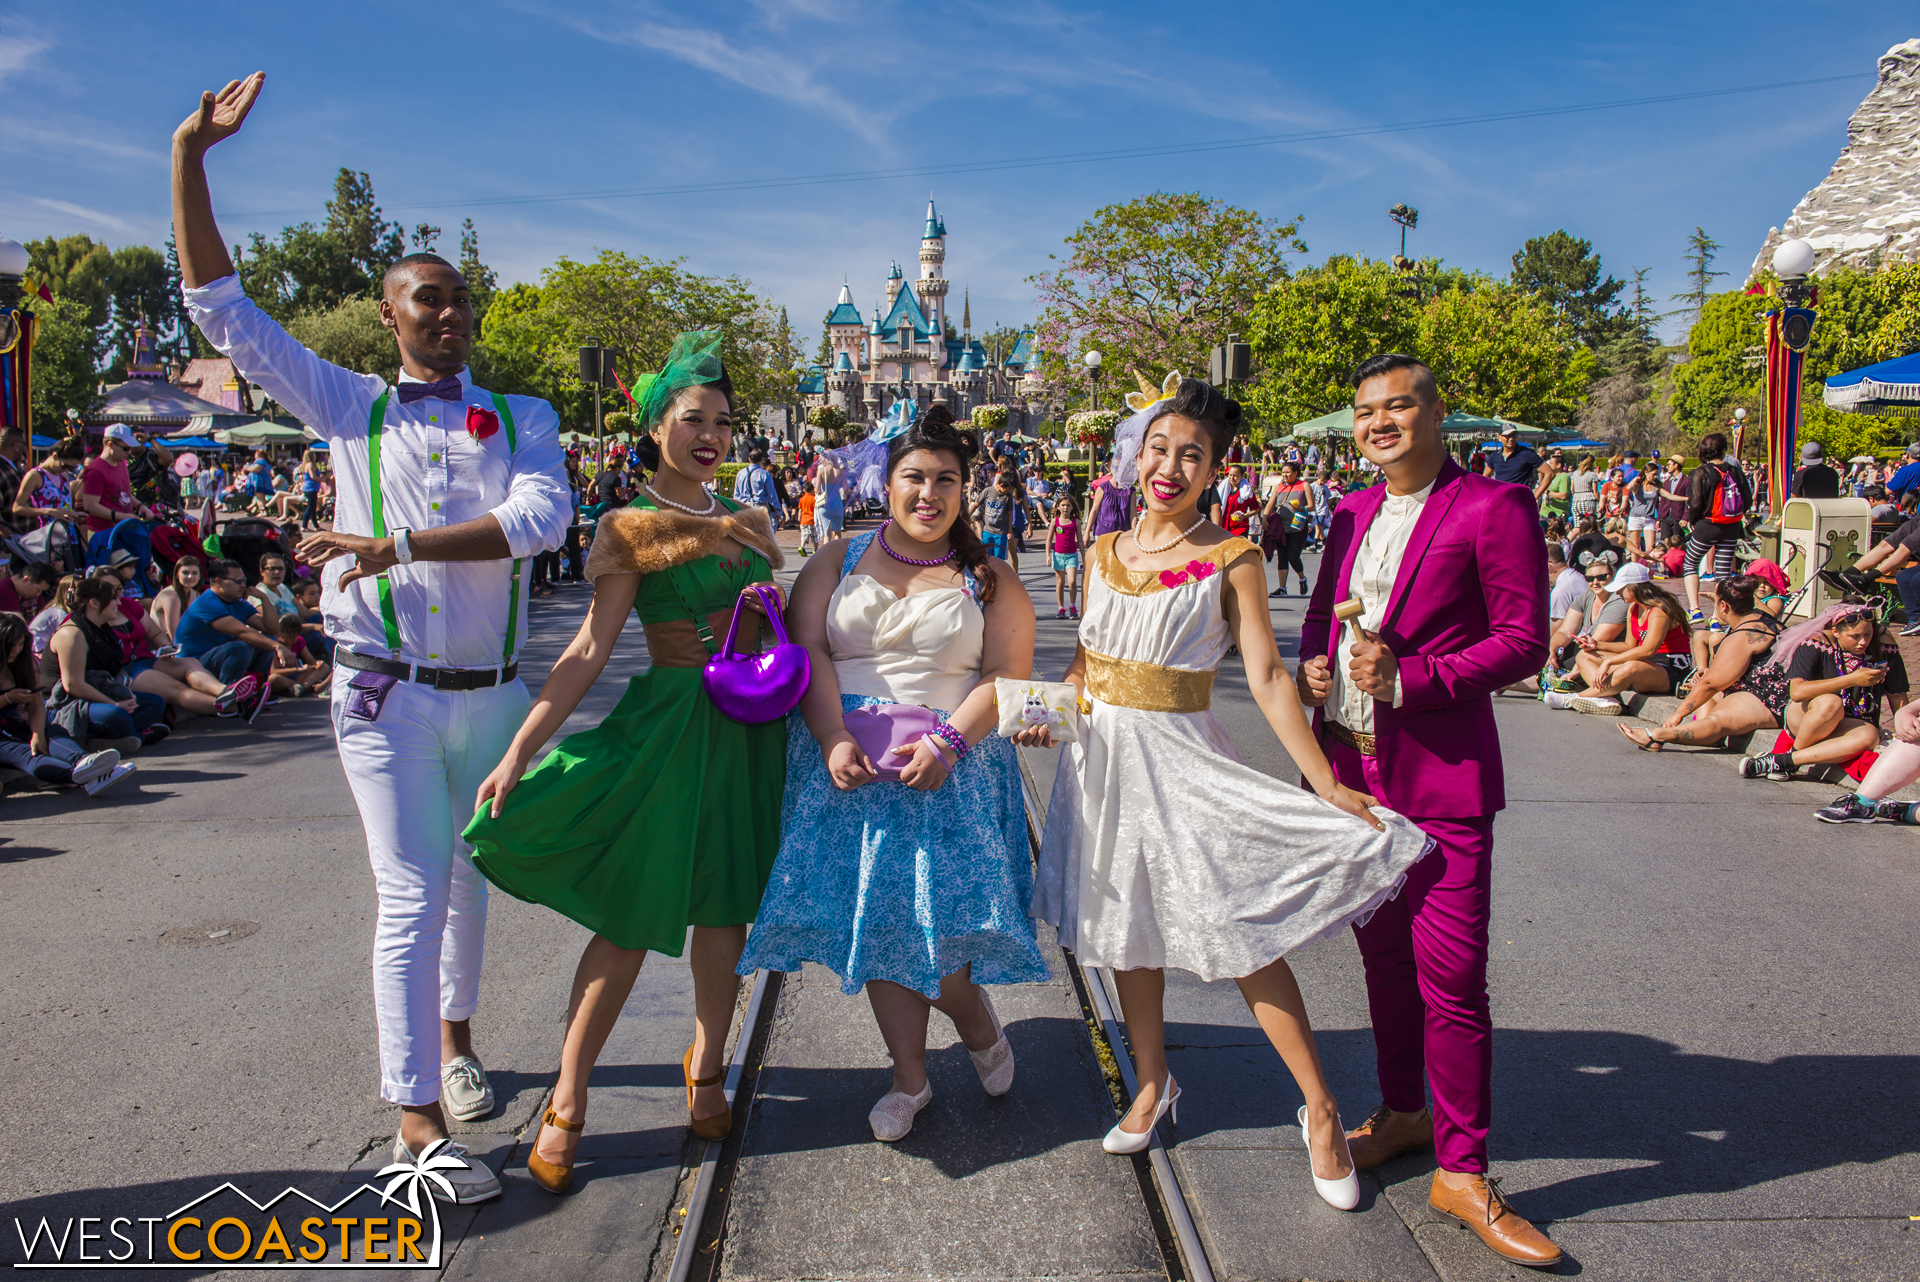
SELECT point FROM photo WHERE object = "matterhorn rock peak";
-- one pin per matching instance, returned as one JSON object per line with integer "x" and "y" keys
{"x": 1867, "y": 209}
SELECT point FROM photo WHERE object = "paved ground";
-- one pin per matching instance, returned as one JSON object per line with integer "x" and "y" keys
{"x": 1702, "y": 999}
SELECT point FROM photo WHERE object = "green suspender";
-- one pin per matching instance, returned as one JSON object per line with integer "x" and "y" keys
{"x": 376, "y": 421}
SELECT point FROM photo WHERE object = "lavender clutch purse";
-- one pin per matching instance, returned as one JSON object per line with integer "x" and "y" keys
{"x": 882, "y": 727}
{"x": 753, "y": 688}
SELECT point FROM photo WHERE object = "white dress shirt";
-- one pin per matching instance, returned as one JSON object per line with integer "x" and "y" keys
{"x": 433, "y": 474}
{"x": 1376, "y": 565}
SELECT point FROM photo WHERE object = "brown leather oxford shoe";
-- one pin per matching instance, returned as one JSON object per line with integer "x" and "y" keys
{"x": 1481, "y": 1207}
{"x": 1387, "y": 1134}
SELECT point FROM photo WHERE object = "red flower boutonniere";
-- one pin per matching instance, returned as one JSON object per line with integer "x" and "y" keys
{"x": 481, "y": 423}
{"x": 1195, "y": 571}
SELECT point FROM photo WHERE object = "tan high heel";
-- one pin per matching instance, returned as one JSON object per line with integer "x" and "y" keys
{"x": 717, "y": 1127}
{"x": 551, "y": 1176}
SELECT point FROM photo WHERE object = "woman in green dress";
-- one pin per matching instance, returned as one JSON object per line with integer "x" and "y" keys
{"x": 667, "y": 814}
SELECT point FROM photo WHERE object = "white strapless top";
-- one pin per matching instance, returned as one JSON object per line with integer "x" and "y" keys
{"x": 924, "y": 647}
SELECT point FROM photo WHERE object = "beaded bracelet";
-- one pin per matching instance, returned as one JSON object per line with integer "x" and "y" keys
{"x": 955, "y": 740}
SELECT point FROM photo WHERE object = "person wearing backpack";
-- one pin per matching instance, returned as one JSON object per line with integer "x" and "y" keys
{"x": 1719, "y": 500}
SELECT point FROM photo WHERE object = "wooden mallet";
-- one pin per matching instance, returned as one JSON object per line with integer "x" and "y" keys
{"x": 1350, "y": 609}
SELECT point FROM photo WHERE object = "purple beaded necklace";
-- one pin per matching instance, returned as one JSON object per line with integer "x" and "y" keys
{"x": 908, "y": 560}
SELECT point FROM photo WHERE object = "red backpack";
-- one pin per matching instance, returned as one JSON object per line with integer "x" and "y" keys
{"x": 1728, "y": 505}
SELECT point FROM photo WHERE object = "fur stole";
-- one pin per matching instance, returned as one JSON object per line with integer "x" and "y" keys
{"x": 646, "y": 540}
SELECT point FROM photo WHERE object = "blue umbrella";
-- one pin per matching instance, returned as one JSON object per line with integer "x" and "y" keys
{"x": 1890, "y": 388}
{"x": 43, "y": 442}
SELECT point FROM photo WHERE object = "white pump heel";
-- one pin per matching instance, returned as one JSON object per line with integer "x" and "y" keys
{"x": 1119, "y": 1141}
{"x": 1342, "y": 1194}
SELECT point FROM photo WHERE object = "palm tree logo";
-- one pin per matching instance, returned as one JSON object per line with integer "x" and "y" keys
{"x": 422, "y": 1176}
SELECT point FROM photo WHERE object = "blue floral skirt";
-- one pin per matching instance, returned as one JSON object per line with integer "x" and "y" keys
{"x": 888, "y": 882}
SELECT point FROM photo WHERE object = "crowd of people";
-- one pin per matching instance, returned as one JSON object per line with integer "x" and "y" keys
{"x": 109, "y": 659}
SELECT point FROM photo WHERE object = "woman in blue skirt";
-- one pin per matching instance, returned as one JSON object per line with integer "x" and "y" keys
{"x": 917, "y": 889}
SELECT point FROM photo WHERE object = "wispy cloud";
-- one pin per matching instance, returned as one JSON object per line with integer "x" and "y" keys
{"x": 18, "y": 50}
{"x": 91, "y": 215}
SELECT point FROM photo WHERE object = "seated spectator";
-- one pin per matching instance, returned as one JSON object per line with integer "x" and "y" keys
{"x": 1881, "y": 502}
{"x": 1673, "y": 561}
{"x": 1773, "y": 598}
{"x": 1838, "y": 664}
{"x": 272, "y": 592}
{"x": 1737, "y": 692}
{"x": 1897, "y": 555}
{"x": 172, "y": 601}
{"x": 223, "y": 629}
{"x": 1590, "y": 545}
{"x": 59, "y": 605}
{"x": 313, "y": 624}
{"x": 123, "y": 565}
{"x": 1596, "y": 616}
{"x": 307, "y": 672}
{"x": 24, "y": 586}
{"x": 94, "y": 699}
{"x": 1565, "y": 585}
{"x": 154, "y": 668}
{"x": 1897, "y": 767}
{"x": 1653, "y": 658}
{"x": 27, "y": 743}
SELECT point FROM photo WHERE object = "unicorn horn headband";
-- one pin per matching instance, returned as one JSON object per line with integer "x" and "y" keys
{"x": 1147, "y": 404}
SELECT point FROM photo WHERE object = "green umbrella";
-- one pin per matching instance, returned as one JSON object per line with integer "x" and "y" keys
{"x": 1461, "y": 425}
{"x": 1338, "y": 423}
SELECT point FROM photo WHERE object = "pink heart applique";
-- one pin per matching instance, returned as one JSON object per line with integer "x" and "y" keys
{"x": 1195, "y": 571}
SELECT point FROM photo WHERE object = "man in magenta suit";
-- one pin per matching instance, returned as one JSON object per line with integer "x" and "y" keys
{"x": 1448, "y": 569}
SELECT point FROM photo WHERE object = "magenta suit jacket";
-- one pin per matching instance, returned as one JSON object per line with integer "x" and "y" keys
{"x": 1467, "y": 616}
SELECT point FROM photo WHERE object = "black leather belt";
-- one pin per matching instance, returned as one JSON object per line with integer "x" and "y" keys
{"x": 438, "y": 678}
{"x": 1360, "y": 742}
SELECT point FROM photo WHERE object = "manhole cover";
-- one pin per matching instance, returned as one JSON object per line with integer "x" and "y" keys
{"x": 205, "y": 933}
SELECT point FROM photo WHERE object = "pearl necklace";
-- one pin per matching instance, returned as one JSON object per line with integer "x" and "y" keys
{"x": 886, "y": 547}
{"x": 1134, "y": 534}
{"x": 713, "y": 502}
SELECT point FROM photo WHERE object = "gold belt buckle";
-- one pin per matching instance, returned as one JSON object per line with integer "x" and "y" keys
{"x": 1360, "y": 743}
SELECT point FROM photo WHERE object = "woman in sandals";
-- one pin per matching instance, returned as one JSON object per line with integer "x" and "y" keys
{"x": 666, "y": 814}
{"x": 918, "y": 889}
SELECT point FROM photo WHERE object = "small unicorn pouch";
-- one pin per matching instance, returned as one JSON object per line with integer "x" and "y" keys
{"x": 1026, "y": 704}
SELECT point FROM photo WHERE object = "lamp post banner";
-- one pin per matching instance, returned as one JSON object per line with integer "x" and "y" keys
{"x": 1789, "y": 330}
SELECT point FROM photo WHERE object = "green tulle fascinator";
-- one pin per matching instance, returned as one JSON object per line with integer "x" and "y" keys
{"x": 694, "y": 361}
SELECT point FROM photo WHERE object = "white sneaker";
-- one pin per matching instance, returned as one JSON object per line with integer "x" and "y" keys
{"x": 94, "y": 765}
{"x": 465, "y": 1092}
{"x": 471, "y": 1180}
{"x": 1602, "y": 706}
{"x": 107, "y": 781}
{"x": 1558, "y": 700}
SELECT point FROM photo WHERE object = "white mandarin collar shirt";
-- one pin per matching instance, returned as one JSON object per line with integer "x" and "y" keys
{"x": 433, "y": 473}
{"x": 1376, "y": 566}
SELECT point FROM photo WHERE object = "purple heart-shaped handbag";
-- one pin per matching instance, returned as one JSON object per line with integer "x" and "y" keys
{"x": 754, "y": 688}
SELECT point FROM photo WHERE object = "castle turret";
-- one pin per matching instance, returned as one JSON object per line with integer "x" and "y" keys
{"x": 932, "y": 285}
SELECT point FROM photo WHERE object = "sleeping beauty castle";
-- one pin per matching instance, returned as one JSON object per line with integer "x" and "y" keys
{"x": 907, "y": 350}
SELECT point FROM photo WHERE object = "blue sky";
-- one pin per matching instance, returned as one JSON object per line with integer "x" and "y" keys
{"x": 449, "y": 107}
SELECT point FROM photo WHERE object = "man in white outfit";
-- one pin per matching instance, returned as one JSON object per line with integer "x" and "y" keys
{"x": 444, "y": 490}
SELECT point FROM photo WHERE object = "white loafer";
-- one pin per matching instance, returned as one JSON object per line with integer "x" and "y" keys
{"x": 994, "y": 1064}
{"x": 1122, "y": 1142}
{"x": 465, "y": 1092}
{"x": 1342, "y": 1194}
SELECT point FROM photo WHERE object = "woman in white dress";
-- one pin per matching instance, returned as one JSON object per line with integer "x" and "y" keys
{"x": 1162, "y": 846}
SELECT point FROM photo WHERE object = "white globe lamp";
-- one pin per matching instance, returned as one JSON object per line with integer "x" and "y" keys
{"x": 13, "y": 258}
{"x": 1793, "y": 259}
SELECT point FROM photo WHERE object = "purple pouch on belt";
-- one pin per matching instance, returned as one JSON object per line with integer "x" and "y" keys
{"x": 368, "y": 691}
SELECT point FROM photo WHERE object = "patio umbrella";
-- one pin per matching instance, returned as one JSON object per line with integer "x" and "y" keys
{"x": 1888, "y": 388}
{"x": 1338, "y": 423}
{"x": 1460, "y": 425}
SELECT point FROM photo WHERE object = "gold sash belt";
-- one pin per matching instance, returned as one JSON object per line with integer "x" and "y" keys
{"x": 1128, "y": 683}
{"x": 676, "y": 643}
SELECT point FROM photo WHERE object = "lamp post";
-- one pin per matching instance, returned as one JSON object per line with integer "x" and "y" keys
{"x": 596, "y": 369}
{"x": 1092, "y": 361}
{"x": 1408, "y": 217}
{"x": 1789, "y": 332}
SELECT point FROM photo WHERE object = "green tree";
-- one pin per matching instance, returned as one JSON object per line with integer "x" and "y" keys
{"x": 66, "y": 359}
{"x": 351, "y": 336}
{"x": 480, "y": 278}
{"x": 1157, "y": 282}
{"x": 522, "y": 352}
{"x": 144, "y": 290}
{"x": 354, "y": 220}
{"x": 76, "y": 267}
{"x": 309, "y": 268}
{"x": 1564, "y": 272}
{"x": 1701, "y": 249}
{"x": 1308, "y": 332}
{"x": 1500, "y": 351}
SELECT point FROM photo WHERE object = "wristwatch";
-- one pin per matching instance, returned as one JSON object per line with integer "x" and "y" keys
{"x": 402, "y": 550}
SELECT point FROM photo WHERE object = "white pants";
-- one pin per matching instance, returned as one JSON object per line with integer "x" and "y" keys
{"x": 414, "y": 773}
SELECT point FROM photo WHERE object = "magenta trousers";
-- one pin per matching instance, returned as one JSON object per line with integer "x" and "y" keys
{"x": 1425, "y": 953}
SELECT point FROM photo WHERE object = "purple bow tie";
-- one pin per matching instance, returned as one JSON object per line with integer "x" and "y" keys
{"x": 447, "y": 389}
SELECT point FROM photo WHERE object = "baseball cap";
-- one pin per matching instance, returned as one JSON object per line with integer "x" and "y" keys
{"x": 1507, "y": 429}
{"x": 1812, "y": 452}
{"x": 1913, "y": 449}
{"x": 1631, "y": 572}
{"x": 122, "y": 433}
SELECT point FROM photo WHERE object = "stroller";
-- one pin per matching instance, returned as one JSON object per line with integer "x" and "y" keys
{"x": 52, "y": 543}
{"x": 131, "y": 535}
{"x": 246, "y": 539}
